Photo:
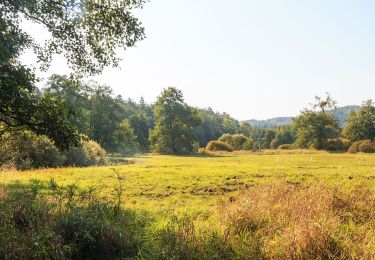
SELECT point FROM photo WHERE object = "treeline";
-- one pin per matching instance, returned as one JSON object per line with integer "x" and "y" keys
{"x": 105, "y": 121}
{"x": 108, "y": 121}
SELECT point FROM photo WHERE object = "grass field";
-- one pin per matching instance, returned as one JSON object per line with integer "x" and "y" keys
{"x": 287, "y": 204}
{"x": 159, "y": 182}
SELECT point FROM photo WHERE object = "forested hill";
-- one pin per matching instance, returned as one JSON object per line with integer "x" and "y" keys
{"x": 341, "y": 113}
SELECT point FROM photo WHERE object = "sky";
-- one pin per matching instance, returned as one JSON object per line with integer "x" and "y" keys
{"x": 252, "y": 59}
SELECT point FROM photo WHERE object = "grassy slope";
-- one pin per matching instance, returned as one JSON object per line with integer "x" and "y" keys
{"x": 156, "y": 182}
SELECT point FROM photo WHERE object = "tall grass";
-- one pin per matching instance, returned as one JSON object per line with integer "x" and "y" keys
{"x": 281, "y": 221}
{"x": 51, "y": 222}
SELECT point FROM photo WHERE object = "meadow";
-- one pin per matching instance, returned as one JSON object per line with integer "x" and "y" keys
{"x": 164, "y": 182}
{"x": 236, "y": 205}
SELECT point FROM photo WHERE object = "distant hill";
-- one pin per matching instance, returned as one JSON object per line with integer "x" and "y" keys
{"x": 341, "y": 113}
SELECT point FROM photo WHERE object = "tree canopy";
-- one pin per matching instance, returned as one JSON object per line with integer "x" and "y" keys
{"x": 86, "y": 32}
{"x": 314, "y": 126}
{"x": 360, "y": 125}
{"x": 174, "y": 122}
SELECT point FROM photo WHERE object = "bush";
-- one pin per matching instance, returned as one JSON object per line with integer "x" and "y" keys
{"x": 337, "y": 144}
{"x": 367, "y": 146}
{"x": 285, "y": 147}
{"x": 237, "y": 141}
{"x": 88, "y": 154}
{"x": 364, "y": 146}
{"x": 25, "y": 150}
{"x": 354, "y": 148}
{"x": 215, "y": 146}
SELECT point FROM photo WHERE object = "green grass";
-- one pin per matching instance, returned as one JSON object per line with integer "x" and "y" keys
{"x": 286, "y": 204}
{"x": 160, "y": 182}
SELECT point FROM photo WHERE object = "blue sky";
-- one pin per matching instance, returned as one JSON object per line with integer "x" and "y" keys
{"x": 252, "y": 59}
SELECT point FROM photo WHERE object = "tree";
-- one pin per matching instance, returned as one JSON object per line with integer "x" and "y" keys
{"x": 86, "y": 32}
{"x": 314, "y": 126}
{"x": 174, "y": 122}
{"x": 284, "y": 135}
{"x": 141, "y": 125}
{"x": 360, "y": 125}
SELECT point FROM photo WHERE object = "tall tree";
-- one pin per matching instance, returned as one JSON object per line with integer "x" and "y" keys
{"x": 174, "y": 122}
{"x": 314, "y": 126}
{"x": 86, "y": 32}
{"x": 360, "y": 125}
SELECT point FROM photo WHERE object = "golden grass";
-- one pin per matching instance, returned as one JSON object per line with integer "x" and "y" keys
{"x": 304, "y": 222}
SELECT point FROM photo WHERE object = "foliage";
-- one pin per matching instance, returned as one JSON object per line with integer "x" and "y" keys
{"x": 213, "y": 125}
{"x": 337, "y": 144}
{"x": 237, "y": 141}
{"x": 25, "y": 150}
{"x": 59, "y": 223}
{"x": 364, "y": 146}
{"x": 174, "y": 121}
{"x": 263, "y": 137}
{"x": 313, "y": 127}
{"x": 89, "y": 153}
{"x": 215, "y": 146}
{"x": 360, "y": 125}
{"x": 284, "y": 135}
{"x": 87, "y": 33}
{"x": 285, "y": 147}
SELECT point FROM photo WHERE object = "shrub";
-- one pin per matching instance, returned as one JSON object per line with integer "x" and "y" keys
{"x": 25, "y": 150}
{"x": 354, "y": 148}
{"x": 364, "y": 146}
{"x": 285, "y": 147}
{"x": 367, "y": 146}
{"x": 237, "y": 141}
{"x": 337, "y": 144}
{"x": 88, "y": 154}
{"x": 215, "y": 146}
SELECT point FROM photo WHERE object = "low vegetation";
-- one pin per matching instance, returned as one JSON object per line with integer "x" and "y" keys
{"x": 290, "y": 204}
{"x": 25, "y": 150}
{"x": 216, "y": 146}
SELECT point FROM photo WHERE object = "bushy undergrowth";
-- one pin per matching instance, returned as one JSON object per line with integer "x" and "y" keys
{"x": 64, "y": 223}
{"x": 89, "y": 153}
{"x": 25, "y": 150}
{"x": 238, "y": 141}
{"x": 285, "y": 147}
{"x": 364, "y": 146}
{"x": 216, "y": 146}
{"x": 337, "y": 144}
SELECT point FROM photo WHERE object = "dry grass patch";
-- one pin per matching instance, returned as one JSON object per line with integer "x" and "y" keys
{"x": 302, "y": 222}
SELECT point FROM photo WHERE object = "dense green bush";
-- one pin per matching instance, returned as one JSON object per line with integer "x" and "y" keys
{"x": 337, "y": 144}
{"x": 25, "y": 150}
{"x": 237, "y": 141}
{"x": 66, "y": 223}
{"x": 363, "y": 146}
{"x": 215, "y": 146}
{"x": 88, "y": 154}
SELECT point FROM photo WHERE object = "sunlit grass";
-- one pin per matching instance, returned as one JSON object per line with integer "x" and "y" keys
{"x": 161, "y": 182}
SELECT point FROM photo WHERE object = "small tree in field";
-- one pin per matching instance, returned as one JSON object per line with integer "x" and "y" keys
{"x": 315, "y": 126}
{"x": 174, "y": 122}
{"x": 360, "y": 125}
